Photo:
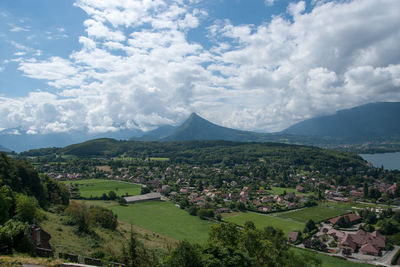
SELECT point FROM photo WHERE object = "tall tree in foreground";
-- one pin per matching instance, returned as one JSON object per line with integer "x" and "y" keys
{"x": 231, "y": 246}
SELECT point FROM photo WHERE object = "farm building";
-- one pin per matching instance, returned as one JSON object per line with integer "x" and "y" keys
{"x": 145, "y": 197}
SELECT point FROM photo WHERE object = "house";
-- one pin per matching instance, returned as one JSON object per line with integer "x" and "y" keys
{"x": 265, "y": 199}
{"x": 40, "y": 238}
{"x": 300, "y": 188}
{"x": 183, "y": 191}
{"x": 257, "y": 202}
{"x": 351, "y": 218}
{"x": 265, "y": 209}
{"x": 223, "y": 210}
{"x": 369, "y": 249}
{"x": 356, "y": 194}
{"x": 293, "y": 236}
{"x": 145, "y": 197}
{"x": 368, "y": 244}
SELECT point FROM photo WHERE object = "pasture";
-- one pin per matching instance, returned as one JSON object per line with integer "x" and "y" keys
{"x": 279, "y": 191}
{"x": 317, "y": 213}
{"x": 96, "y": 187}
{"x": 261, "y": 221}
{"x": 164, "y": 218}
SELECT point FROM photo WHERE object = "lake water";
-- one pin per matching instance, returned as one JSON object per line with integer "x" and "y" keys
{"x": 389, "y": 161}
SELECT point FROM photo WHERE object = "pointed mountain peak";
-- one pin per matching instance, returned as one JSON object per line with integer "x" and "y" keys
{"x": 194, "y": 115}
{"x": 195, "y": 119}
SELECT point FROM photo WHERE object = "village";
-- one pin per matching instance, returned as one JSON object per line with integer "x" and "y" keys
{"x": 195, "y": 185}
{"x": 221, "y": 191}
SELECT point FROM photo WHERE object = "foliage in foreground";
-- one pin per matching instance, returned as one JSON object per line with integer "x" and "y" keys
{"x": 231, "y": 246}
{"x": 23, "y": 195}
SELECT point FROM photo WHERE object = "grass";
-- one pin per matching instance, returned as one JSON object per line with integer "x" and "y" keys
{"x": 331, "y": 261}
{"x": 18, "y": 259}
{"x": 357, "y": 206}
{"x": 96, "y": 187}
{"x": 159, "y": 159}
{"x": 279, "y": 191}
{"x": 317, "y": 213}
{"x": 166, "y": 219}
{"x": 65, "y": 238}
{"x": 261, "y": 221}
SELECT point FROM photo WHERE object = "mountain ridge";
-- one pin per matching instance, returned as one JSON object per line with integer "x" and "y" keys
{"x": 362, "y": 123}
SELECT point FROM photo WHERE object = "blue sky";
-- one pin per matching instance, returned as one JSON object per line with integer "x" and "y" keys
{"x": 255, "y": 64}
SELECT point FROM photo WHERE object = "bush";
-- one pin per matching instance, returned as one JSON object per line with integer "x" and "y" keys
{"x": 396, "y": 258}
{"x": 27, "y": 209}
{"x": 84, "y": 217}
{"x": 205, "y": 213}
{"x": 80, "y": 215}
{"x": 103, "y": 217}
{"x": 193, "y": 210}
{"x": 15, "y": 235}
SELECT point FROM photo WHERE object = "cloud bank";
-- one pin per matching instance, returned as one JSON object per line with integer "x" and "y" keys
{"x": 138, "y": 68}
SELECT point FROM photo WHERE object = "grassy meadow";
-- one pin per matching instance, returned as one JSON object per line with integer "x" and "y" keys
{"x": 317, "y": 213}
{"x": 96, "y": 187}
{"x": 261, "y": 221}
{"x": 279, "y": 191}
{"x": 65, "y": 238}
{"x": 164, "y": 218}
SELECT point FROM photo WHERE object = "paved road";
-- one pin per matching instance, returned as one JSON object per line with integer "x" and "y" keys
{"x": 386, "y": 260}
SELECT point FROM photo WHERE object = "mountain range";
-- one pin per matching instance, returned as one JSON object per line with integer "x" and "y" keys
{"x": 4, "y": 149}
{"x": 363, "y": 123}
{"x": 17, "y": 139}
{"x": 371, "y": 123}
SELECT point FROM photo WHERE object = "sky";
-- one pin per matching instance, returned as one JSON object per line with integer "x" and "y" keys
{"x": 261, "y": 65}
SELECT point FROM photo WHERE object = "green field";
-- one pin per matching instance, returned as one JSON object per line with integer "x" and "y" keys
{"x": 331, "y": 261}
{"x": 279, "y": 191}
{"x": 159, "y": 159}
{"x": 261, "y": 221}
{"x": 317, "y": 213}
{"x": 166, "y": 219}
{"x": 96, "y": 187}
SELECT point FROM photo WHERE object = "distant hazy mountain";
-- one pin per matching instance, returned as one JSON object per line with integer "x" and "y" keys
{"x": 376, "y": 121}
{"x": 18, "y": 140}
{"x": 197, "y": 128}
{"x": 157, "y": 134}
{"x": 4, "y": 149}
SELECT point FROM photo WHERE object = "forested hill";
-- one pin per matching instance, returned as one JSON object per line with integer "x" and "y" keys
{"x": 376, "y": 121}
{"x": 19, "y": 181}
{"x": 210, "y": 152}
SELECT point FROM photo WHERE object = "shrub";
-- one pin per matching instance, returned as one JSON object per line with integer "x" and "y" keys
{"x": 15, "y": 235}
{"x": 396, "y": 258}
{"x": 27, "y": 209}
{"x": 205, "y": 213}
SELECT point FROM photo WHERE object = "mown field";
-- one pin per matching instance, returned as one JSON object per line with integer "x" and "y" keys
{"x": 317, "y": 213}
{"x": 96, "y": 187}
{"x": 279, "y": 191}
{"x": 261, "y": 221}
{"x": 164, "y": 218}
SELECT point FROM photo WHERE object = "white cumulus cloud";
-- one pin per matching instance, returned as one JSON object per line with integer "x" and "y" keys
{"x": 138, "y": 67}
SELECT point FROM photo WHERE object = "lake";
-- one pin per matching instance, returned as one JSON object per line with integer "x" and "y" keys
{"x": 390, "y": 161}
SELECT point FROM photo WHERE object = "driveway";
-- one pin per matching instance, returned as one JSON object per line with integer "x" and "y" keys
{"x": 386, "y": 260}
